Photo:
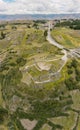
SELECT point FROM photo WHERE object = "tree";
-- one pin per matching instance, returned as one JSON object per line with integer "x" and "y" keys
{"x": 2, "y": 35}
{"x": 45, "y": 33}
{"x": 14, "y": 27}
{"x": 70, "y": 84}
{"x": 74, "y": 63}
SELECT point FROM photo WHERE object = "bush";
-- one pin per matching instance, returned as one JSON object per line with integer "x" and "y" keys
{"x": 13, "y": 77}
{"x": 21, "y": 61}
{"x": 70, "y": 84}
{"x": 3, "y": 115}
{"x": 74, "y": 63}
{"x": 77, "y": 74}
{"x": 70, "y": 71}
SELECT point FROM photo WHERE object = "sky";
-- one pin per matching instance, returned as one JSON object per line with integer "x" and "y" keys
{"x": 39, "y": 6}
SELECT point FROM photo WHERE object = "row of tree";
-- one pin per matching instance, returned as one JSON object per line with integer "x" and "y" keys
{"x": 73, "y": 24}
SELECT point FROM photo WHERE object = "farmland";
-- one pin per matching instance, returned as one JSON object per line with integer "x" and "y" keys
{"x": 39, "y": 82}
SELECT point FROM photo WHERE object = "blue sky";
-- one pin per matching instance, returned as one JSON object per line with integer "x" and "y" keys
{"x": 9, "y": 1}
{"x": 39, "y": 6}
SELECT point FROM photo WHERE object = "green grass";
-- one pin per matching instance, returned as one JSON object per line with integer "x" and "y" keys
{"x": 67, "y": 37}
{"x": 67, "y": 122}
{"x": 78, "y": 127}
{"x": 46, "y": 127}
{"x": 3, "y": 127}
{"x": 76, "y": 99}
{"x": 38, "y": 75}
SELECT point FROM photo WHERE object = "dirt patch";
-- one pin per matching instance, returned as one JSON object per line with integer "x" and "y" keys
{"x": 43, "y": 66}
{"x": 27, "y": 124}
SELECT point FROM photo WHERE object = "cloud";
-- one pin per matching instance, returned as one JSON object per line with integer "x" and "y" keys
{"x": 39, "y": 6}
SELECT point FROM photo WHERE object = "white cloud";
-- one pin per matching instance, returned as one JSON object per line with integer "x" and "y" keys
{"x": 39, "y": 6}
{"x": 3, "y": 6}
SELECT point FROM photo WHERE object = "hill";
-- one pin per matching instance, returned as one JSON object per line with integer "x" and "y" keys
{"x": 39, "y": 16}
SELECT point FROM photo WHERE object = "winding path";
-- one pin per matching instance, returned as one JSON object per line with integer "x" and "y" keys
{"x": 53, "y": 42}
{"x": 64, "y": 58}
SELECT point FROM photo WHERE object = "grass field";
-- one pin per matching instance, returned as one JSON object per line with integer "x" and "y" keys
{"x": 67, "y": 122}
{"x": 67, "y": 37}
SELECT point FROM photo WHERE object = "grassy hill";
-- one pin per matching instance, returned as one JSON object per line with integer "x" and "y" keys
{"x": 32, "y": 97}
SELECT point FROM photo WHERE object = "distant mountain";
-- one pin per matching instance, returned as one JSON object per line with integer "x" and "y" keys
{"x": 38, "y": 16}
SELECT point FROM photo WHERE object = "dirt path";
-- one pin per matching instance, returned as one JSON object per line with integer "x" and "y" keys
{"x": 42, "y": 66}
{"x": 53, "y": 42}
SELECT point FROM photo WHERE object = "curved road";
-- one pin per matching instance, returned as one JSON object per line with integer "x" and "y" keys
{"x": 64, "y": 58}
{"x": 53, "y": 42}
